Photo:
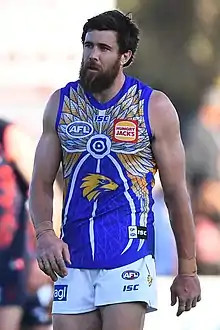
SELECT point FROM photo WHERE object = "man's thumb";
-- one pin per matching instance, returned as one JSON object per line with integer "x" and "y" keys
{"x": 173, "y": 298}
{"x": 66, "y": 254}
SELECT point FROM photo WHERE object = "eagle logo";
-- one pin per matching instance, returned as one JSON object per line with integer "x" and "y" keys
{"x": 149, "y": 279}
{"x": 94, "y": 184}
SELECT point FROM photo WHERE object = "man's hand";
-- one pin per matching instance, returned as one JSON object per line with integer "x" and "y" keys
{"x": 186, "y": 289}
{"x": 52, "y": 254}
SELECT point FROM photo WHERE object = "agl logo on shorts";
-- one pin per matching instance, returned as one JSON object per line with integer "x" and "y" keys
{"x": 60, "y": 293}
{"x": 125, "y": 130}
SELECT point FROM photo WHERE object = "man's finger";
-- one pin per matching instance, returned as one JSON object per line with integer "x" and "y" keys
{"x": 181, "y": 307}
{"x": 66, "y": 254}
{"x": 194, "y": 302}
{"x": 55, "y": 266}
{"x": 173, "y": 298}
{"x": 40, "y": 264}
{"x": 48, "y": 270}
{"x": 188, "y": 305}
{"x": 61, "y": 264}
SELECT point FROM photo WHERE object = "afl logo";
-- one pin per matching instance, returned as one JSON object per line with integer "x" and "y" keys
{"x": 130, "y": 275}
{"x": 79, "y": 129}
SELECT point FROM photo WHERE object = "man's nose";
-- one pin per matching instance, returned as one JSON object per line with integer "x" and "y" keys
{"x": 94, "y": 54}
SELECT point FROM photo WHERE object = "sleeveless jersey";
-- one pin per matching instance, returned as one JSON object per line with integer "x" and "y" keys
{"x": 108, "y": 169}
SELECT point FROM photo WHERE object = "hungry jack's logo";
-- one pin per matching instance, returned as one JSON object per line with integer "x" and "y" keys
{"x": 125, "y": 130}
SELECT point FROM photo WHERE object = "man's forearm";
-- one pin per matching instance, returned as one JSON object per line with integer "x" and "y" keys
{"x": 179, "y": 207}
{"x": 57, "y": 208}
{"x": 41, "y": 207}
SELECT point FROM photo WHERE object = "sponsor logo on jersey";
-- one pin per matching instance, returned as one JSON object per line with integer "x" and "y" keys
{"x": 137, "y": 232}
{"x": 102, "y": 118}
{"x": 130, "y": 275}
{"x": 60, "y": 293}
{"x": 125, "y": 131}
{"x": 79, "y": 129}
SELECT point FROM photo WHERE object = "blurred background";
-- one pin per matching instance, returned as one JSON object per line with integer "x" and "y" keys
{"x": 179, "y": 53}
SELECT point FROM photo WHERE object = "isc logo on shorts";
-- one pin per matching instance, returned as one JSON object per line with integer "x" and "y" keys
{"x": 131, "y": 287}
{"x": 130, "y": 275}
{"x": 60, "y": 293}
{"x": 125, "y": 130}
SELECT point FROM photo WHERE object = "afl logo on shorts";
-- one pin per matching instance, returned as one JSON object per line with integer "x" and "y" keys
{"x": 125, "y": 131}
{"x": 79, "y": 129}
{"x": 130, "y": 275}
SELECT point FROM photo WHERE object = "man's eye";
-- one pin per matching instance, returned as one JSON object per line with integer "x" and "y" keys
{"x": 88, "y": 45}
{"x": 104, "y": 48}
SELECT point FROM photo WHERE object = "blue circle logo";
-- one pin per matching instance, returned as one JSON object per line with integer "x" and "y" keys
{"x": 99, "y": 146}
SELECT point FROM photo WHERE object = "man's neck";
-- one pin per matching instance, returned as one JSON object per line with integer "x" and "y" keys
{"x": 109, "y": 93}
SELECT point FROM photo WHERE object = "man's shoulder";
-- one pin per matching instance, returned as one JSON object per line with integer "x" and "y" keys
{"x": 69, "y": 84}
{"x": 161, "y": 103}
{"x": 57, "y": 94}
{"x": 140, "y": 83}
{"x": 162, "y": 113}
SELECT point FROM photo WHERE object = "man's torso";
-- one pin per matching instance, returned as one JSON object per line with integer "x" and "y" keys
{"x": 109, "y": 172}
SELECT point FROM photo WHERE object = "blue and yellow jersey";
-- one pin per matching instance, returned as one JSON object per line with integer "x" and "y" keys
{"x": 108, "y": 168}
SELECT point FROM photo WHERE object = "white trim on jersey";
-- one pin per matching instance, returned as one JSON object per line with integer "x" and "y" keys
{"x": 129, "y": 198}
{"x": 74, "y": 177}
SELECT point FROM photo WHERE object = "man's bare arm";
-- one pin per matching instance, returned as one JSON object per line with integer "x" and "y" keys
{"x": 46, "y": 164}
{"x": 170, "y": 157}
{"x": 52, "y": 252}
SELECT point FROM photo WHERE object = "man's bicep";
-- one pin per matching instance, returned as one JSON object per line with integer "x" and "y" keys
{"x": 48, "y": 152}
{"x": 167, "y": 145}
{"x": 47, "y": 158}
{"x": 170, "y": 158}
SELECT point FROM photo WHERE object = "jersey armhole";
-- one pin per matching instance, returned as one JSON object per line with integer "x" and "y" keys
{"x": 59, "y": 111}
{"x": 146, "y": 111}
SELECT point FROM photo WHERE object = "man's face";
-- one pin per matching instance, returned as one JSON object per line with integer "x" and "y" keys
{"x": 101, "y": 61}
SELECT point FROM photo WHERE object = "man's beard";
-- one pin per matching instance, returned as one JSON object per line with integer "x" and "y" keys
{"x": 98, "y": 81}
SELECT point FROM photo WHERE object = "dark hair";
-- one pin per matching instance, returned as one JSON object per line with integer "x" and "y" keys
{"x": 114, "y": 20}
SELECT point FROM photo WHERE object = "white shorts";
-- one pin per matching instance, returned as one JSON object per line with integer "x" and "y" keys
{"x": 85, "y": 290}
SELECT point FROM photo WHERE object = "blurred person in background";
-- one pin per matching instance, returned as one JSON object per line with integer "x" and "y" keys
{"x": 203, "y": 175}
{"x": 111, "y": 133}
{"x": 25, "y": 291}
